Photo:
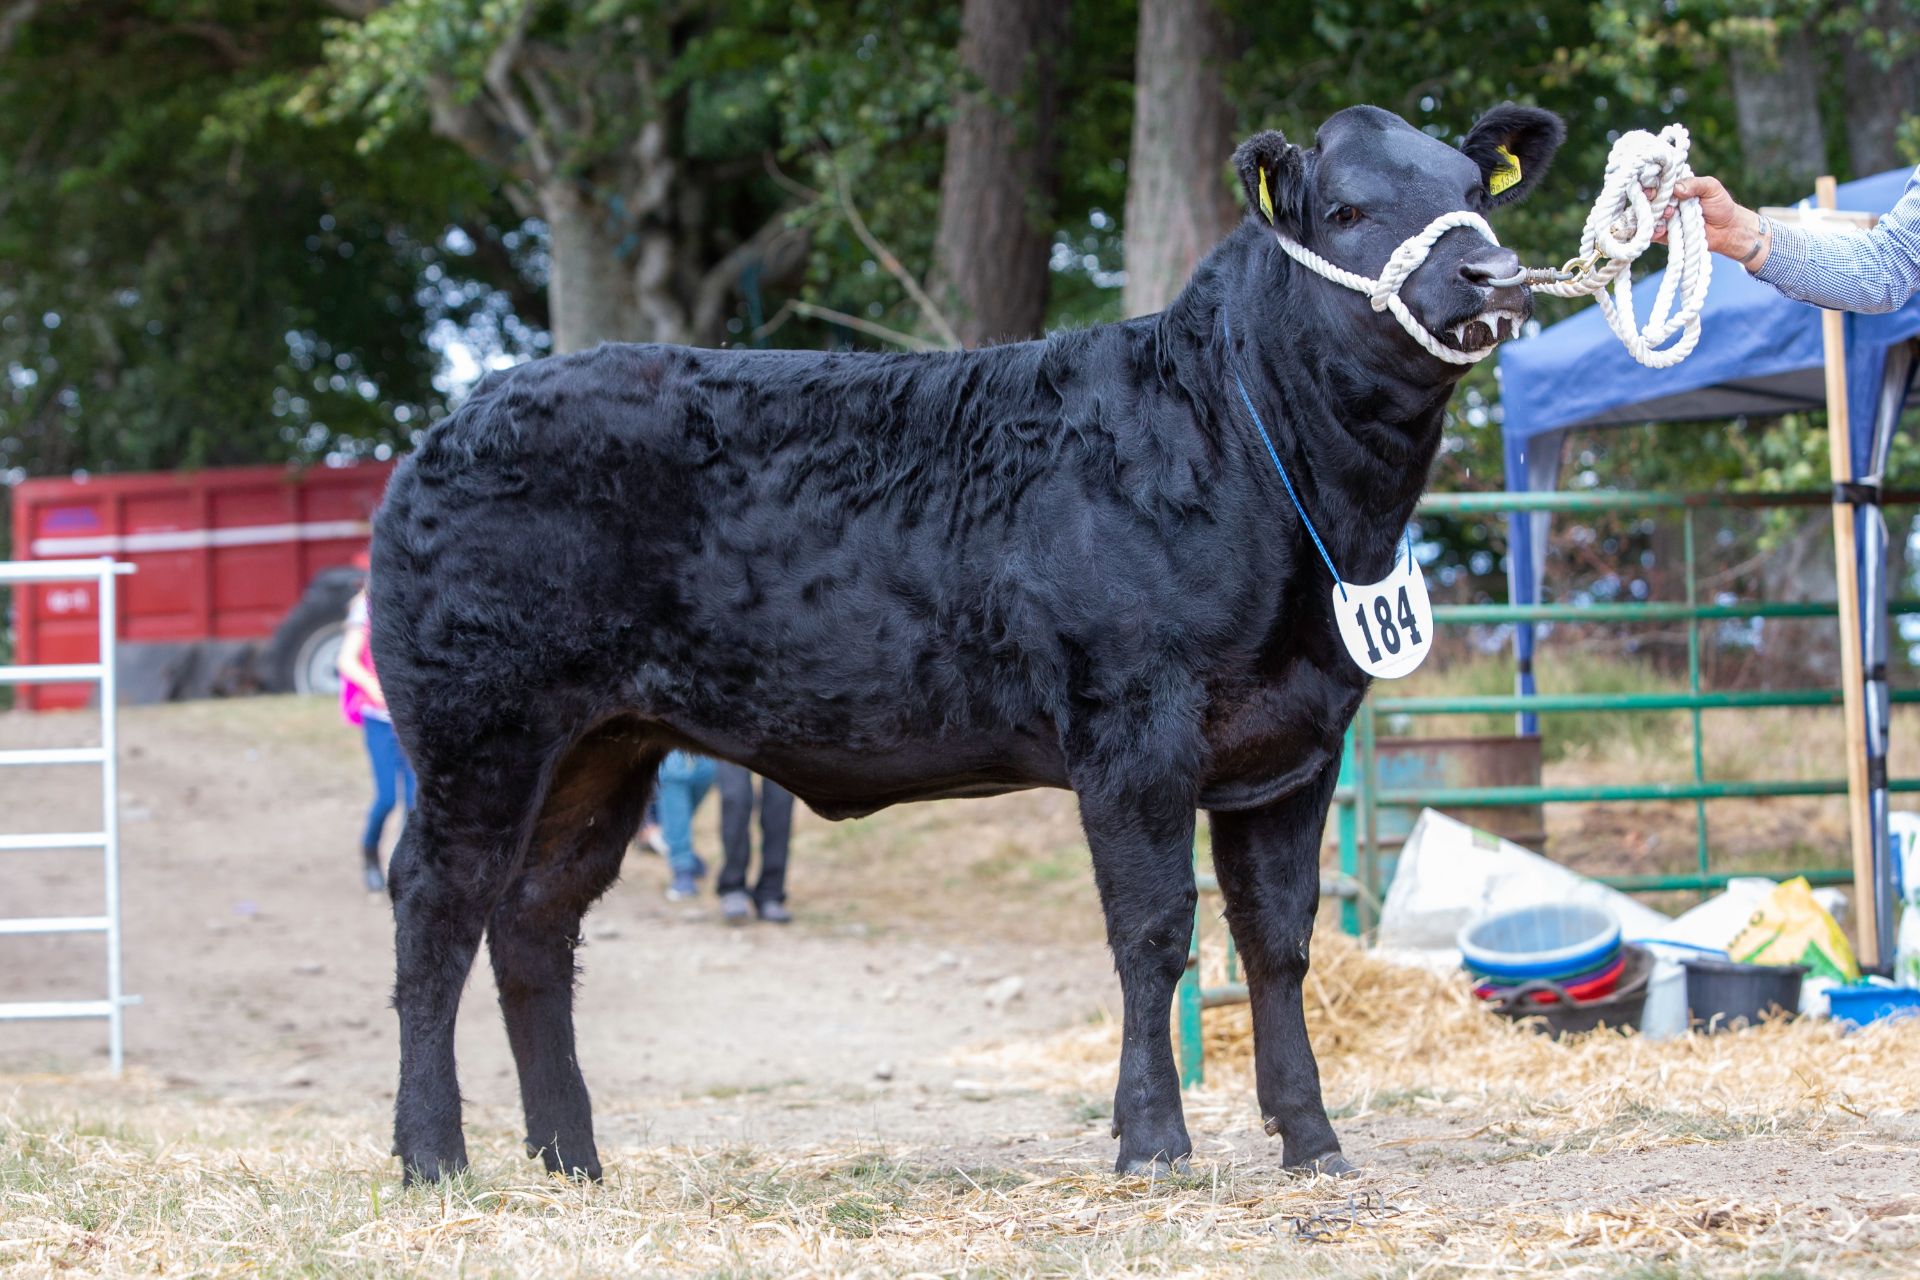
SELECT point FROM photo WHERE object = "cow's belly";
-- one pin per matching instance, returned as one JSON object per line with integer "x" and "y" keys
{"x": 838, "y": 783}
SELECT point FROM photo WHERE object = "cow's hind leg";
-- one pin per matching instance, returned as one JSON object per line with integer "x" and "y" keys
{"x": 1142, "y": 844}
{"x": 598, "y": 797}
{"x": 456, "y": 852}
{"x": 1268, "y": 863}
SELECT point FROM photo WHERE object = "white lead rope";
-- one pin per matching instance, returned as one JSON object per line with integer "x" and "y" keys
{"x": 1618, "y": 231}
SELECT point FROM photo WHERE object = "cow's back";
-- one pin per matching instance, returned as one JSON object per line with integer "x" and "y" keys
{"x": 800, "y": 546}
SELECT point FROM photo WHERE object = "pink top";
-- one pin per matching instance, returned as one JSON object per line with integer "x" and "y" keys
{"x": 357, "y": 703}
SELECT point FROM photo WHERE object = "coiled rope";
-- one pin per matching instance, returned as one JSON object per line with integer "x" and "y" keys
{"x": 1618, "y": 230}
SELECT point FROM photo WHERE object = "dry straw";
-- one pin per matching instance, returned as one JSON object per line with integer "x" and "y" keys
{"x": 104, "y": 1180}
{"x": 1384, "y": 1031}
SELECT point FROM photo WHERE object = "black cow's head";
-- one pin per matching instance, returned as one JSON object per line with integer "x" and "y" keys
{"x": 1371, "y": 180}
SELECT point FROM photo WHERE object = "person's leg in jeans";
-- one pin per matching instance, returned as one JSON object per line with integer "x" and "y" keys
{"x": 735, "y": 784}
{"x": 651, "y": 838}
{"x": 776, "y": 827}
{"x": 383, "y": 753}
{"x": 684, "y": 780}
{"x": 408, "y": 783}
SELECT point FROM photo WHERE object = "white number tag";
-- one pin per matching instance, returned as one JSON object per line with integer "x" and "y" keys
{"x": 1387, "y": 627}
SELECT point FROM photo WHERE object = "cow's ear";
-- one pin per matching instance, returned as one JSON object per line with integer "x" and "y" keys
{"x": 1274, "y": 174}
{"x": 1513, "y": 145}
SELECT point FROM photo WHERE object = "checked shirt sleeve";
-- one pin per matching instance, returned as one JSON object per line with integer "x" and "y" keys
{"x": 1847, "y": 269}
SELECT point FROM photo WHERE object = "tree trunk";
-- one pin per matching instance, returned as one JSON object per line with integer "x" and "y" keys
{"x": 1776, "y": 105}
{"x": 1179, "y": 203}
{"x": 589, "y": 299}
{"x": 997, "y": 188}
{"x": 1880, "y": 90}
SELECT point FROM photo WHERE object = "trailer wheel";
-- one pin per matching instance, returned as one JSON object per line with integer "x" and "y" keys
{"x": 304, "y": 653}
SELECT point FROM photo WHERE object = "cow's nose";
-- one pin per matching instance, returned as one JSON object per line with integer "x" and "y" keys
{"x": 1482, "y": 269}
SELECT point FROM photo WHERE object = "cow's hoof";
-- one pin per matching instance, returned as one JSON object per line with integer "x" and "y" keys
{"x": 1151, "y": 1166}
{"x": 579, "y": 1170}
{"x": 586, "y": 1168}
{"x": 1332, "y": 1165}
{"x": 420, "y": 1172}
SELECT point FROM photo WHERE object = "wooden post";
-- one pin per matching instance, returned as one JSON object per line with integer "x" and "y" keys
{"x": 1853, "y": 691}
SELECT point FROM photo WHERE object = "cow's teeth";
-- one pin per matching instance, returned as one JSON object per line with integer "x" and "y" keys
{"x": 1502, "y": 324}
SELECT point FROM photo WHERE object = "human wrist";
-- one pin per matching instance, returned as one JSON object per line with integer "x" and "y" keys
{"x": 1755, "y": 241}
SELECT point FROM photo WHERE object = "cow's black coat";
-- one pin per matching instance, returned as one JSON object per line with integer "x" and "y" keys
{"x": 881, "y": 578}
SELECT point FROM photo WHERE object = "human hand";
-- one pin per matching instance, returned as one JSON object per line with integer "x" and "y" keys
{"x": 1732, "y": 229}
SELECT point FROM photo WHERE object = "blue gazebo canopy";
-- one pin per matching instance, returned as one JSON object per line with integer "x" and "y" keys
{"x": 1760, "y": 354}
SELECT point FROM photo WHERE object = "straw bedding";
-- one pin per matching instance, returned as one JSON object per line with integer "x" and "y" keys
{"x": 149, "y": 1186}
{"x": 1385, "y": 1034}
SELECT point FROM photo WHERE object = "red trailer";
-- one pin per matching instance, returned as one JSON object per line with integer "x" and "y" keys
{"x": 244, "y": 574}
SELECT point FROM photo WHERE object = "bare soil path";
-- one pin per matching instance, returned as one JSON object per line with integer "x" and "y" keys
{"x": 265, "y": 968}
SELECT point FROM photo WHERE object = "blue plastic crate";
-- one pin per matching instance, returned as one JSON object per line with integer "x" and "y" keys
{"x": 1861, "y": 1005}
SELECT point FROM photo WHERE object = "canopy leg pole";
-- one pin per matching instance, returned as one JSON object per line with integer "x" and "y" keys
{"x": 1852, "y": 676}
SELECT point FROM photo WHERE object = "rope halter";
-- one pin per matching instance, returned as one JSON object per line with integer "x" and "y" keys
{"x": 1384, "y": 292}
{"x": 1618, "y": 230}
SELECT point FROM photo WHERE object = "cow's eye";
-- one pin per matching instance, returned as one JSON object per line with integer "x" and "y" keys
{"x": 1343, "y": 215}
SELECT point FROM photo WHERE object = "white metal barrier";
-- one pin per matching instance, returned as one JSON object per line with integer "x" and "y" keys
{"x": 103, "y": 574}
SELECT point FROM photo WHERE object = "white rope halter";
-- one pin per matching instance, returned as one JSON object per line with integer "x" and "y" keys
{"x": 1618, "y": 231}
{"x": 1384, "y": 292}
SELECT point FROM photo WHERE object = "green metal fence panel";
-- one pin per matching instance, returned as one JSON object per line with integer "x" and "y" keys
{"x": 1488, "y": 614}
{"x": 1451, "y": 797}
{"x": 1360, "y": 796}
{"x": 1551, "y": 703}
{"x": 1187, "y": 1006}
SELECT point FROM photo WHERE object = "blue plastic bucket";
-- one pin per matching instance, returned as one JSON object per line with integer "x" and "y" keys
{"x": 1861, "y": 1005}
{"x": 1549, "y": 941}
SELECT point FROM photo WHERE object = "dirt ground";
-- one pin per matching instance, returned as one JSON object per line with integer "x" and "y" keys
{"x": 935, "y": 947}
{"x": 265, "y": 968}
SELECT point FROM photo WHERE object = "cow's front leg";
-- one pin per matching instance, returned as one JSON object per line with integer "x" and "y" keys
{"x": 1142, "y": 844}
{"x": 1268, "y": 863}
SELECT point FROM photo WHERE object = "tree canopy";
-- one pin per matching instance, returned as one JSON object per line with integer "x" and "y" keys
{"x": 237, "y": 231}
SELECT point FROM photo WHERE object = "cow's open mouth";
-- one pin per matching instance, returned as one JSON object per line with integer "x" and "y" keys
{"x": 1484, "y": 330}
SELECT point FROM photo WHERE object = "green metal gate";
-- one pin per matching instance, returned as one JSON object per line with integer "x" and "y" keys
{"x": 1360, "y": 795}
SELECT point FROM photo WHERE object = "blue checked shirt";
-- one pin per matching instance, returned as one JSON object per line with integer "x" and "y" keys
{"x": 1847, "y": 269}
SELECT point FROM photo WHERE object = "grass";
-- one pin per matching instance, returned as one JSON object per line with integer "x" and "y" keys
{"x": 99, "y": 1178}
{"x": 216, "y": 1191}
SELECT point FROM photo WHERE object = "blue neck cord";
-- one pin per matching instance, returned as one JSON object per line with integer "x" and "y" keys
{"x": 1273, "y": 453}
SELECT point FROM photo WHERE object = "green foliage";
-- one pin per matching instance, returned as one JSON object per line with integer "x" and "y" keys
{"x": 186, "y": 277}
{"x": 865, "y": 90}
{"x": 225, "y": 224}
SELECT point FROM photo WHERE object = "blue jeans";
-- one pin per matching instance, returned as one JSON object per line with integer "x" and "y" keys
{"x": 684, "y": 780}
{"x": 391, "y": 773}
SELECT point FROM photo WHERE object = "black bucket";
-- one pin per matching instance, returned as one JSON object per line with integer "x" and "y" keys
{"x": 1620, "y": 1009}
{"x": 1725, "y": 993}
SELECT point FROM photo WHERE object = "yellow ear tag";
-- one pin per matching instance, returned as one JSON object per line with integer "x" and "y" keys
{"x": 1507, "y": 174}
{"x": 1266, "y": 201}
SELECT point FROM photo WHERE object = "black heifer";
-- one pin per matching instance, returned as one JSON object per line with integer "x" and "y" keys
{"x": 880, "y": 578}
